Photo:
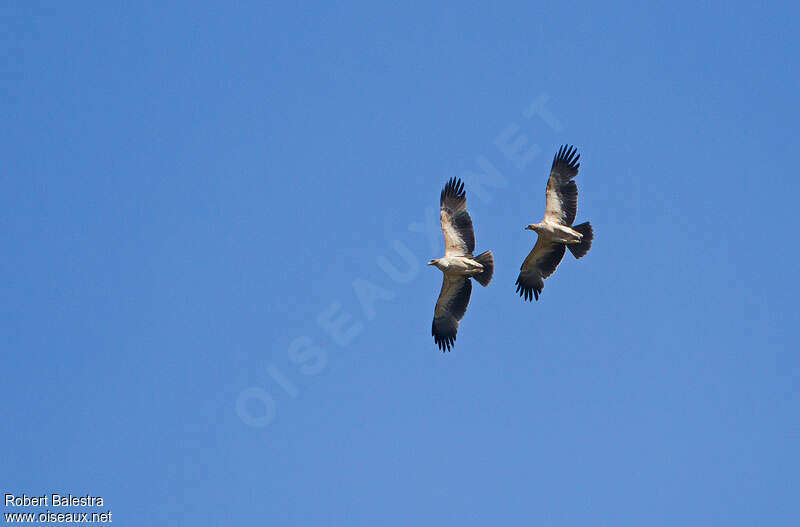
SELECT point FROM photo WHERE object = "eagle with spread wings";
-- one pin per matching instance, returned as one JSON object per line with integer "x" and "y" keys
{"x": 556, "y": 232}
{"x": 458, "y": 265}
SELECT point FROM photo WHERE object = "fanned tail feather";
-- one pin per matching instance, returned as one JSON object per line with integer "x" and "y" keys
{"x": 579, "y": 250}
{"x": 487, "y": 261}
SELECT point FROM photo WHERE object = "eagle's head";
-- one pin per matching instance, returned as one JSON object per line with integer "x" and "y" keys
{"x": 438, "y": 263}
{"x": 533, "y": 227}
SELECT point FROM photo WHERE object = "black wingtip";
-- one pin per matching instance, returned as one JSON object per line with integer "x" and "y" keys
{"x": 454, "y": 188}
{"x": 566, "y": 157}
{"x": 528, "y": 293}
{"x": 444, "y": 343}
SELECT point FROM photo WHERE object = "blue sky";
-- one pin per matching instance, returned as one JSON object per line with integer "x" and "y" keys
{"x": 197, "y": 208}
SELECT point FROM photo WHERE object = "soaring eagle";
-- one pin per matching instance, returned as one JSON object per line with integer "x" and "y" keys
{"x": 555, "y": 231}
{"x": 458, "y": 264}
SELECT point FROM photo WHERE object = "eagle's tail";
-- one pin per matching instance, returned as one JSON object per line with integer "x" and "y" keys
{"x": 579, "y": 250}
{"x": 487, "y": 261}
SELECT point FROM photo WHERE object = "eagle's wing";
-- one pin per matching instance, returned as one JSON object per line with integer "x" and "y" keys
{"x": 562, "y": 192}
{"x": 459, "y": 238}
{"x": 540, "y": 263}
{"x": 450, "y": 308}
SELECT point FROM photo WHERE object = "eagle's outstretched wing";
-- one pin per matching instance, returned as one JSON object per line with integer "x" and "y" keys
{"x": 562, "y": 192}
{"x": 459, "y": 238}
{"x": 540, "y": 263}
{"x": 450, "y": 308}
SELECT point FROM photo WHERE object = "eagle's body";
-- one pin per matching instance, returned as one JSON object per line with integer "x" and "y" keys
{"x": 458, "y": 265}
{"x": 556, "y": 232}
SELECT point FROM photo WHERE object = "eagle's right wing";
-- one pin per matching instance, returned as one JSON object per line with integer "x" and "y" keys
{"x": 562, "y": 192}
{"x": 450, "y": 308}
{"x": 459, "y": 238}
{"x": 540, "y": 263}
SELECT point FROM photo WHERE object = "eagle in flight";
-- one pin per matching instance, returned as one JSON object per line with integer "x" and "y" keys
{"x": 556, "y": 232}
{"x": 458, "y": 265}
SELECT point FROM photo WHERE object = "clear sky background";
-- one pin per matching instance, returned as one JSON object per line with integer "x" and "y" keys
{"x": 192, "y": 198}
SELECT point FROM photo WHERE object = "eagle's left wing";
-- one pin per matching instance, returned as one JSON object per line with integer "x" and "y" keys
{"x": 450, "y": 308}
{"x": 562, "y": 192}
{"x": 459, "y": 238}
{"x": 540, "y": 263}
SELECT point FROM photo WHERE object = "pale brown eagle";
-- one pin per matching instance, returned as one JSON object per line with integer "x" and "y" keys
{"x": 458, "y": 264}
{"x": 555, "y": 231}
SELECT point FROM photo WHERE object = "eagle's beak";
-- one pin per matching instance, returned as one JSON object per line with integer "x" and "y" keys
{"x": 431, "y": 262}
{"x": 529, "y": 228}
